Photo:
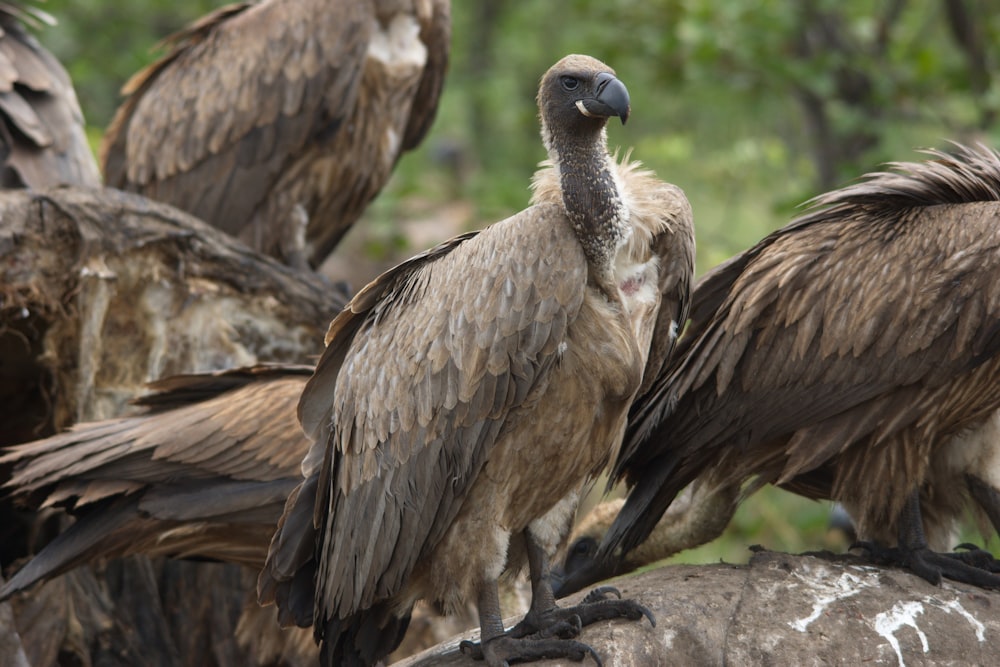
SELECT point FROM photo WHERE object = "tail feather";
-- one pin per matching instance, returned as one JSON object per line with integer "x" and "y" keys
{"x": 363, "y": 639}
{"x": 645, "y": 504}
{"x": 100, "y": 531}
{"x": 288, "y": 578}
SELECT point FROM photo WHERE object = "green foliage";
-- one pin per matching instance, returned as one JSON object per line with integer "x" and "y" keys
{"x": 102, "y": 43}
{"x": 776, "y": 520}
{"x": 718, "y": 92}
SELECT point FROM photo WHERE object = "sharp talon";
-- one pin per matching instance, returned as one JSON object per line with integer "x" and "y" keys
{"x": 971, "y": 565}
{"x": 600, "y": 593}
{"x": 648, "y": 614}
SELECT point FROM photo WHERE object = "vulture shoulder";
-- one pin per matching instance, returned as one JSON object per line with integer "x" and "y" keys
{"x": 42, "y": 135}
{"x": 263, "y": 107}
{"x": 204, "y": 470}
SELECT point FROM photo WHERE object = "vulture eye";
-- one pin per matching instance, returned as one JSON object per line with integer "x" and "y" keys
{"x": 569, "y": 82}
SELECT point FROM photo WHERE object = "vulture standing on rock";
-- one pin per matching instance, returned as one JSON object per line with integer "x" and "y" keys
{"x": 279, "y": 121}
{"x": 466, "y": 395}
{"x": 42, "y": 138}
{"x": 852, "y": 355}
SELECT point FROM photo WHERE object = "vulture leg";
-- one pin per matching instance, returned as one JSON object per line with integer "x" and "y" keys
{"x": 546, "y": 619}
{"x": 499, "y": 648}
{"x": 914, "y": 554}
{"x": 546, "y": 631}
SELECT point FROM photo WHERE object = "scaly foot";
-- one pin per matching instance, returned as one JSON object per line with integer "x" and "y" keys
{"x": 598, "y": 605}
{"x": 974, "y": 567}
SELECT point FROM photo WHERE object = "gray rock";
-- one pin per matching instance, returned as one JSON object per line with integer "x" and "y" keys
{"x": 780, "y": 609}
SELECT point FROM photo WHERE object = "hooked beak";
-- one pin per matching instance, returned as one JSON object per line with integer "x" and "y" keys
{"x": 611, "y": 99}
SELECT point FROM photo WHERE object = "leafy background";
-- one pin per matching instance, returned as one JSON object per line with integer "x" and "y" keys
{"x": 751, "y": 106}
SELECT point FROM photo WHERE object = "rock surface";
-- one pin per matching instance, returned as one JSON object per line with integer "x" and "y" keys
{"x": 782, "y": 609}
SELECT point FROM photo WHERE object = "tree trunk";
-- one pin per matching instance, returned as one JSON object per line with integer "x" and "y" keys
{"x": 100, "y": 292}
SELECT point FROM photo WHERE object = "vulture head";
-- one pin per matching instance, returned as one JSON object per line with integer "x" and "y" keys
{"x": 577, "y": 96}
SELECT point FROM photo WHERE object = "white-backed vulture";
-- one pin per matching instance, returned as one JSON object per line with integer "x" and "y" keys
{"x": 42, "y": 137}
{"x": 466, "y": 395}
{"x": 279, "y": 121}
{"x": 851, "y": 355}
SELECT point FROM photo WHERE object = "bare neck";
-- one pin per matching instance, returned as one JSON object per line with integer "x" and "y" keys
{"x": 590, "y": 194}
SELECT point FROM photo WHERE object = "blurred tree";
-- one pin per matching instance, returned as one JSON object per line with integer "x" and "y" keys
{"x": 103, "y": 42}
{"x": 974, "y": 28}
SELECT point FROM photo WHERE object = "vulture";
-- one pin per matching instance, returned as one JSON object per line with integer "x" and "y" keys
{"x": 279, "y": 121}
{"x": 466, "y": 395}
{"x": 42, "y": 137}
{"x": 852, "y": 355}
{"x": 203, "y": 471}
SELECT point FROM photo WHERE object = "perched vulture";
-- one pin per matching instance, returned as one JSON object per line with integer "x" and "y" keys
{"x": 42, "y": 138}
{"x": 279, "y": 121}
{"x": 204, "y": 471}
{"x": 854, "y": 355}
{"x": 466, "y": 395}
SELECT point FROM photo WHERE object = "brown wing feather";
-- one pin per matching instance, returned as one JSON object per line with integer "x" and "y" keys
{"x": 204, "y": 471}
{"x": 234, "y": 81}
{"x": 264, "y": 108}
{"x": 230, "y": 99}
